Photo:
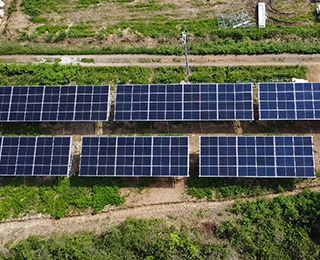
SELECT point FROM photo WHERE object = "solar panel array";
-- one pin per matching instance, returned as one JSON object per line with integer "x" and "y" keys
{"x": 35, "y": 156}
{"x": 54, "y": 103}
{"x": 184, "y": 102}
{"x": 289, "y": 101}
{"x": 135, "y": 156}
{"x": 257, "y": 156}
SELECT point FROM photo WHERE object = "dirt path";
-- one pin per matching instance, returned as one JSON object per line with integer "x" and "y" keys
{"x": 153, "y": 61}
{"x": 186, "y": 211}
{"x": 162, "y": 60}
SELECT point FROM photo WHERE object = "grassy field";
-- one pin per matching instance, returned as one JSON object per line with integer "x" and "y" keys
{"x": 154, "y": 27}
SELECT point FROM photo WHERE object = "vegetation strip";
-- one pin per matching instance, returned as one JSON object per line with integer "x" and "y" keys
{"x": 59, "y": 197}
{"x": 219, "y": 47}
{"x": 280, "y": 228}
{"x": 45, "y": 74}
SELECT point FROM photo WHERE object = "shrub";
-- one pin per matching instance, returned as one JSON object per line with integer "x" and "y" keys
{"x": 276, "y": 229}
{"x": 81, "y": 31}
{"x": 61, "y": 36}
{"x": 168, "y": 75}
{"x": 56, "y": 200}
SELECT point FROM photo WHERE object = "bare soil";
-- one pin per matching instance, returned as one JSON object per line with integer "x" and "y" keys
{"x": 107, "y": 13}
{"x": 153, "y": 61}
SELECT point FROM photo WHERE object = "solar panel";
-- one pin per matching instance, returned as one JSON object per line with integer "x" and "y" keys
{"x": 54, "y": 103}
{"x": 184, "y": 102}
{"x": 35, "y": 156}
{"x": 289, "y": 101}
{"x": 257, "y": 156}
{"x": 135, "y": 156}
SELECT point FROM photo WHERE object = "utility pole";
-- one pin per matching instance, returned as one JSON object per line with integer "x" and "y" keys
{"x": 184, "y": 42}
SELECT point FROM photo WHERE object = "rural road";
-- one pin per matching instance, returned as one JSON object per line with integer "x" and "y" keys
{"x": 186, "y": 210}
{"x": 165, "y": 61}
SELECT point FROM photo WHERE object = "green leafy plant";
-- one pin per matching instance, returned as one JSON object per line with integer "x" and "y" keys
{"x": 282, "y": 228}
{"x": 19, "y": 198}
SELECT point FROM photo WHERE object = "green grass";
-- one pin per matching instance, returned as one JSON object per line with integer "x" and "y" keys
{"x": 134, "y": 239}
{"x": 39, "y": 20}
{"x": 87, "y": 60}
{"x": 47, "y": 74}
{"x": 35, "y": 8}
{"x": 58, "y": 198}
{"x": 22, "y": 129}
{"x": 216, "y": 47}
{"x": 161, "y": 26}
{"x": 280, "y": 228}
{"x": 86, "y": 3}
{"x": 227, "y": 188}
{"x": 13, "y": 7}
{"x": 201, "y": 29}
{"x": 52, "y": 29}
{"x": 81, "y": 31}
{"x": 312, "y": 16}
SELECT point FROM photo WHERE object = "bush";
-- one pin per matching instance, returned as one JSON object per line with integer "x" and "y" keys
{"x": 61, "y": 36}
{"x": 133, "y": 239}
{"x": 237, "y": 188}
{"x": 56, "y": 200}
{"x": 45, "y": 74}
{"x": 34, "y": 8}
{"x": 81, "y": 31}
{"x": 276, "y": 229}
{"x": 168, "y": 75}
{"x": 53, "y": 29}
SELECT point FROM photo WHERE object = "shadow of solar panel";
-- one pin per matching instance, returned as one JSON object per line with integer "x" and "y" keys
{"x": 35, "y": 156}
{"x": 135, "y": 156}
{"x": 289, "y": 101}
{"x": 55, "y": 103}
{"x": 257, "y": 156}
{"x": 199, "y": 102}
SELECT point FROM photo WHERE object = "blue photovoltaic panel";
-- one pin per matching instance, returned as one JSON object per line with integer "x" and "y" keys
{"x": 54, "y": 103}
{"x": 35, "y": 156}
{"x": 184, "y": 102}
{"x": 257, "y": 156}
{"x": 135, "y": 156}
{"x": 289, "y": 101}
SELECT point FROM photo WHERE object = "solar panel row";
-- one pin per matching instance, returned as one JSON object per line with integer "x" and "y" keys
{"x": 220, "y": 156}
{"x": 184, "y": 102}
{"x": 135, "y": 156}
{"x": 257, "y": 156}
{"x": 54, "y": 103}
{"x": 277, "y": 101}
{"x": 35, "y": 156}
{"x": 289, "y": 101}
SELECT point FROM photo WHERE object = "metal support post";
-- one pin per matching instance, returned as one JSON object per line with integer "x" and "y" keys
{"x": 184, "y": 42}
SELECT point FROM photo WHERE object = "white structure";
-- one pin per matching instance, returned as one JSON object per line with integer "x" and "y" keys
{"x": 318, "y": 11}
{"x": 299, "y": 80}
{"x": 1, "y": 13}
{"x": 1, "y": 4}
{"x": 262, "y": 15}
{"x": 240, "y": 18}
